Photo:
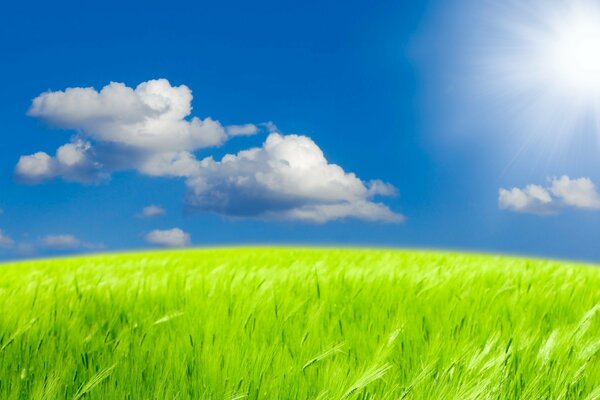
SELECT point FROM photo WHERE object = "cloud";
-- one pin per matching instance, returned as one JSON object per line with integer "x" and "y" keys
{"x": 35, "y": 167}
{"x": 152, "y": 116}
{"x": 578, "y": 193}
{"x": 532, "y": 199}
{"x": 287, "y": 178}
{"x": 6, "y": 242}
{"x": 149, "y": 129}
{"x": 174, "y": 164}
{"x": 49, "y": 242}
{"x": 169, "y": 238}
{"x": 561, "y": 192}
{"x": 73, "y": 162}
{"x": 65, "y": 242}
{"x": 25, "y": 249}
{"x": 242, "y": 130}
{"x": 152, "y": 211}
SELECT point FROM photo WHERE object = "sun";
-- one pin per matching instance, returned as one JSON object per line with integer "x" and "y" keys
{"x": 536, "y": 65}
{"x": 571, "y": 51}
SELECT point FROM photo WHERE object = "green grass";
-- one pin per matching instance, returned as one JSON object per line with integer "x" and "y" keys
{"x": 299, "y": 324}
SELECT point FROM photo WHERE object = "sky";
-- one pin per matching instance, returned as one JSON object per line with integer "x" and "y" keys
{"x": 454, "y": 124}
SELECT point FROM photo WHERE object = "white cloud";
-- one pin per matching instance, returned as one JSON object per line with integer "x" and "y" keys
{"x": 72, "y": 153}
{"x": 65, "y": 242}
{"x": 60, "y": 242}
{"x": 320, "y": 213}
{"x": 35, "y": 167}
{"x": 242, "y": 130}
{"x": 169, "y": 238}
{"x": 579, "y": 193}
{"x": 153, "y": 211}
{"x": 151, "y": 116}
{"x": 174, "y": 164}
{"x": 73, "y": 161}
{"x": 533, "y": 199}
{"x": 49, "y": 242}
{"x": 287, "y": 178}
{"x": 149, "y": 129}
{"x": 6, "y": 241}
{"x": 561, "y": 192}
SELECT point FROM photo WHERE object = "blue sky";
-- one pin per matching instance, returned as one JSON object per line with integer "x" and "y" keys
{"x": 402, "y": 94}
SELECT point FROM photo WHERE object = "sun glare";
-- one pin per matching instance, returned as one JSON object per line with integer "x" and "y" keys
{"x": 537, "y": 66}
{"x": 572, "y": 51}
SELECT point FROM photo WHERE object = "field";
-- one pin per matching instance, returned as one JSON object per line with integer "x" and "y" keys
{"x": 288, "y": 323}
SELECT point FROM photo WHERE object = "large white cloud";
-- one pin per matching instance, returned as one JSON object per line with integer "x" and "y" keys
{"x": 149, "y": 129}
{"x": 561, "y": 192}
{"x": 151, "y": 116}
{"x": 169, "y": 238}
{"x": 287, "y": 178}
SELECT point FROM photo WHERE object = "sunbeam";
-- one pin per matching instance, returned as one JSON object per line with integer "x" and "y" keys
{"x": 533, "y": 68}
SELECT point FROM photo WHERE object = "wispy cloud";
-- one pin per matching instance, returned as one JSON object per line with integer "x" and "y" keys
{"x": 242, "y": 130}
{"x": 66, "y": 242}
{"x": 6, "y": 242}
{"x": 152, "y": 211}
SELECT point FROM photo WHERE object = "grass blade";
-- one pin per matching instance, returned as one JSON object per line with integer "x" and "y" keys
{"x": 94, "y": 381}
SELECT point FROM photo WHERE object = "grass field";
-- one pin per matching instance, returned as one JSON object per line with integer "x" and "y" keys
{"x": 299, "y": 324}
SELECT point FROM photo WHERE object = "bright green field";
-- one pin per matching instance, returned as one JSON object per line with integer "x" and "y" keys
{"x": 299, "y": 324}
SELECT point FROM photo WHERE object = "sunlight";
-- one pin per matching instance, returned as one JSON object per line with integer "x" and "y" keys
{"x": 537, "y": 66}
{"x": 572, "y": 51}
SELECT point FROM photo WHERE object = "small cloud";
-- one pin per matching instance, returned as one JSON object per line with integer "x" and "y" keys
{"x": 533, "y": 199}
{"x": 65, "y": 242}
{"x": 26, "y": 249}
{"x": 73, "y": 161}
{"x": 578, "y": 193}
{"x": 242, "y": 130}
{"x": 169, "y": 238}
{"x": 35, "y": 167}
{"x": 379, "y": 188}
{"x": 152, "y": 211}
{"x": 6, "y": 242}
{"x": 269, "y": 126}
{"x": 60, "y": 242}
{"x": 561, "y": 192}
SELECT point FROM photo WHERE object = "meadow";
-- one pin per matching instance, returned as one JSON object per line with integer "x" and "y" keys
{"x": 292, "y": 323}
